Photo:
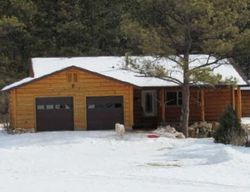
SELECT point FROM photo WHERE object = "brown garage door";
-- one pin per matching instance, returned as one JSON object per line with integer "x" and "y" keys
{"x": 104, "y": 112}
{"x": 54, "y": 114}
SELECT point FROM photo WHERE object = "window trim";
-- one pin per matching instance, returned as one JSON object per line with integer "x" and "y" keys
{"x": 154, "y": 103}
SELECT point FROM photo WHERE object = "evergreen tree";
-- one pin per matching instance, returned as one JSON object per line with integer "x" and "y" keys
{"x": 241, "y": 52}
{"x": 230, "y": 130}
{"x": 14, "y": 38}
{"x": 37, "y": 28}
{"x": 176, "y": 27}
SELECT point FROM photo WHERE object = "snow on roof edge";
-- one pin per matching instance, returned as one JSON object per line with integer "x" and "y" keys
{"x": 28, "y": 80}
{"x": 17, "y": 83}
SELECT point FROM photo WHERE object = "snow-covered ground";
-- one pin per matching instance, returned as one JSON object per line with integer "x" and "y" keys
{"x": 245, "y": 120}
{"x": 101, "y": 162}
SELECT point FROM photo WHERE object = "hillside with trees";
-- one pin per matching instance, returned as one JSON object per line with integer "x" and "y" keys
{"x": 38, "y": 28}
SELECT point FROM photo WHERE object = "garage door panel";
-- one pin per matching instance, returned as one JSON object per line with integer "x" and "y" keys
{"x": 55, "y": 113}
{"x": 104, "y": 112}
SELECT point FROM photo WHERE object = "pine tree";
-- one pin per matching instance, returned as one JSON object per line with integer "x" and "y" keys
{"x": 182, "y": 27}
{"x": 230, "y": 130}
{"x": 15, "y": 20}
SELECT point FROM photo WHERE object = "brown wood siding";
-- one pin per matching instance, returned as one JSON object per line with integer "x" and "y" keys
{"x": 216, "y": 100}
{"x": 173, "y": 113}
{"x": 195, "y": 105}
{"x": 12, "y": 108}
{"x": 245, "y": 103}
{"x": 57, "y": 85}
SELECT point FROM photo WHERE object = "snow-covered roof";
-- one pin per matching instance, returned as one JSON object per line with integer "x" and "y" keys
{"x": 113, "y": 67}
{"x": 246, "y": 88}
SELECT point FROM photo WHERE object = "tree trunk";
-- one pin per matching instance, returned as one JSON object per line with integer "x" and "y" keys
{"x": 185, "y": 108}
{"x": 185, "y": 96}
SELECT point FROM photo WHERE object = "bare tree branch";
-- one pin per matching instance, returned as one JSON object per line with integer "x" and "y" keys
{"x": 216, "y": 66}
{"x": 165, "y": 78}
{"x": 207, "y": 64}
{"x": 175, "y": 60}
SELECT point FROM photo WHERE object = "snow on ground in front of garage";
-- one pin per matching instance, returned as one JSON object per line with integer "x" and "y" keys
{"x": 100, "y": 161}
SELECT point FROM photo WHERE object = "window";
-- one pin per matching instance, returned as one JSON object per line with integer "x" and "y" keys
{"x": 57, "y": 106}
{"x": 109, "y": 105}
{"x": 49, "y": 106}
{"x": 149, "y": 102}
{"x": 99, "y": 106}
{"x": 67, "y": 106}
{"x": 62, "y": 106}
{"x": 118, "y": 105}
{"x": 40, "y": 107}
{"x": 91, "y": 106}
{"x": 174, "y": 98}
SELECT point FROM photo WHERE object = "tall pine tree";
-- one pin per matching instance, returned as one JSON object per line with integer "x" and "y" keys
{"x": 183, "y": 27}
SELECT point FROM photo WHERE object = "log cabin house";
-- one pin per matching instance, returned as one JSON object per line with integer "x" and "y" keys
{"x": 93, "y": 93}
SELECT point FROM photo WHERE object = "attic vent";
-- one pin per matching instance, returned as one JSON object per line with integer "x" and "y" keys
{"x": 75, "y": 78}
{"x": 72, "y": 77}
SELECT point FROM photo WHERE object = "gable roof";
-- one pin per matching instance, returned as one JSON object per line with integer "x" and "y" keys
{"x": 113, "y": 67}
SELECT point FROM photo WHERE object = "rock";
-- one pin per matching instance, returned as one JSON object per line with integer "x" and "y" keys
{"x": 180, "y": 135}
{"x": 170, "y": 129}
{"x": 202, "y": 129}
{"x": 215, "y": 125}
{"x": 20, "y": 131}
{"x": 191, "y": 132}
{"x": 169, "y": 132}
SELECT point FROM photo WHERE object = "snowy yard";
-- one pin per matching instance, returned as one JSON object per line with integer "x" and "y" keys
{"x": 100, "y": 162}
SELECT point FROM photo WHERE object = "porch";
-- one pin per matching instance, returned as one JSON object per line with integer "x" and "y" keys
{"x": 157, "y": 106}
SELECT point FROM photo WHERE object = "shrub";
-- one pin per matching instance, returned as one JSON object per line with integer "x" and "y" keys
{"x": 230, "y": 130}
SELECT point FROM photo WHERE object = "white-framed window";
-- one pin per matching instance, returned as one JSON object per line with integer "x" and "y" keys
{"x": 149, "y": 102}
{"x": 174, "y": 98}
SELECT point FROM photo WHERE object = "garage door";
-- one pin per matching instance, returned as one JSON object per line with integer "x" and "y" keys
{"x": 54, "y": 114}
{"x": 104, "y": 112}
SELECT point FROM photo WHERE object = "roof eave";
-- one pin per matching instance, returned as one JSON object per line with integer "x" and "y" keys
{"x": 64, "y": 69}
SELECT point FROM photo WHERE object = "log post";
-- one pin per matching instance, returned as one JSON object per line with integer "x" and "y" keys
{"x": 131, "y": 95}
{"x": 202, "y": 105}
{"x": 13, "y": 112}
{"x": 233, "y": 97}
{"x": 162, "y": 104}
{"x": 239, "y": 103}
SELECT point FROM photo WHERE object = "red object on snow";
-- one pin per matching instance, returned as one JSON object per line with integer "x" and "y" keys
{"x": 153, "y": 136}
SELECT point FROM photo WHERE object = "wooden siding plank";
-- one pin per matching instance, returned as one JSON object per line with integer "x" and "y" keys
{"x": 131, "y": 99}
{"x": 14, "y": 108}
{"x": 239, "y": 103}
{"x": 245, "y": 103}
{"x": 233, "y": 97}
{"x": 202, "y": 105}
